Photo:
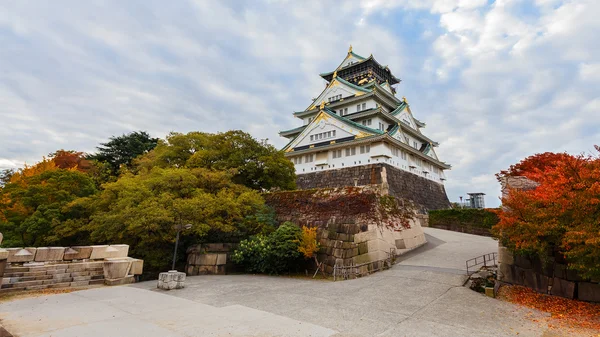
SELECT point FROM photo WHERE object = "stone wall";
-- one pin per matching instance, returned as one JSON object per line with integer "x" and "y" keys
{"x": 356, "y": 225}
{"x": 58, "y": 267}
{"x": 548, "y": 278}
{"x": 426, "y": 194}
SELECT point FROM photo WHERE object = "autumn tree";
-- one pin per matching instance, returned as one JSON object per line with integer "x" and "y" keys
{"x": 71, "y": 159}
{"x": 142, "y": 210}
{"x": 561, "y": 215}
{"x": 254, "y": 164}
{"x": 33, "y": 205}
{"x": 121, "y": 150}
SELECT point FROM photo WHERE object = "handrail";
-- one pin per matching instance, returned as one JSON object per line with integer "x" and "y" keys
{"x": 483, "y": 259}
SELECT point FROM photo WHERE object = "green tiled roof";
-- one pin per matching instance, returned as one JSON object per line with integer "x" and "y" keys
{"x": 298, "y": 129}
{"x": 352, "y": 85}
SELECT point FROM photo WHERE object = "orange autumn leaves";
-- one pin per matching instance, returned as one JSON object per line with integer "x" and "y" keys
{"x": 565, "y": 312}
{"x": 562, "y": 214}
{"x": 308, "y": 244}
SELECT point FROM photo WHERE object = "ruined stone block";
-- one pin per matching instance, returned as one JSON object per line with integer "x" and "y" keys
{"x": 99, "y": 252}
{"x": 44, "y": 254}
{"x": 365, "y": 236}
{"x": 3, "y": 254}
{"x": 363, "y": 248}
{"x": 400, "y": 244}
{"x": 171, "y": 280}
{"x": 137, "y": 266}
{"x": 77, "y": 253}
{"x": 115, "y": 269}
{"x": 523, "y": 262}
{"x": 221, "y": 259}
{"x": 587, "y": 291}
{"x": 16, "y": 255}
{"x": 115, "y": 251}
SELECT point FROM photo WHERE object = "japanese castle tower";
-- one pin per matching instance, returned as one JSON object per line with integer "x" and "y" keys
{"x": 358, "y": 121}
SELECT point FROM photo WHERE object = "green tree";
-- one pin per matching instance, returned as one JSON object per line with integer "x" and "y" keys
{"x": 254, "y": 164}
{"x": 142, "y": 210}
{"x": 33, "y": 209}
{"x": 123, "y": 149}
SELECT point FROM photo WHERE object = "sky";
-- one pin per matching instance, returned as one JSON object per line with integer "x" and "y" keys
{"x": 495, "y": 81}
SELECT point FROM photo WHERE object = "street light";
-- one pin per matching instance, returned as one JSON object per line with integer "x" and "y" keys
{"x": 179, "y": 228}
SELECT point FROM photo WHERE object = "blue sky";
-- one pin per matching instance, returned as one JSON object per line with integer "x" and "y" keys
{"x": 495, "y": 81}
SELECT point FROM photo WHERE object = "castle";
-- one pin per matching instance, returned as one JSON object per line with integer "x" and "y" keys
{"x": 357, "y": 132}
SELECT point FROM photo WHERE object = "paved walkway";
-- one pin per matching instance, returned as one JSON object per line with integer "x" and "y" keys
{"x": 420, "y": 296}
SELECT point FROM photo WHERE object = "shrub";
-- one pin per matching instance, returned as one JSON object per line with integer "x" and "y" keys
{"x": 272, "y": 254}
{"x": 481, "y": 218}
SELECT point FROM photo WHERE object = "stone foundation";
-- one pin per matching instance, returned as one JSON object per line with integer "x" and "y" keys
{"x": 424, "y": 193}
{"x": 552, "y": 278}
{"x": 358, "y": 227}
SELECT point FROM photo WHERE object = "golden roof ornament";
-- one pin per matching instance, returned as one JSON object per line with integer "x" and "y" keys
{"x": 350, "y": 49}
{"x": 404, "y": 99}
{"x": 322, "y": 105}
{"x": 335, "y": 74}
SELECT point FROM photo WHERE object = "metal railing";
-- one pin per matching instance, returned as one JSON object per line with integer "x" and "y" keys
{"x": 487, "y": 260}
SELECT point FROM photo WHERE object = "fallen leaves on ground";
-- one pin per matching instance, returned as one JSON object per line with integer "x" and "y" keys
{"x": 565, "y": 313}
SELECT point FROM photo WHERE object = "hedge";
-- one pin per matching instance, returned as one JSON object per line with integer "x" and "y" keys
{"x": 468, "y": 217}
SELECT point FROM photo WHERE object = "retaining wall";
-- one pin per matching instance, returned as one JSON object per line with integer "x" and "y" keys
{"x": 553, "y": 278}
{"x": 355, "y": 225}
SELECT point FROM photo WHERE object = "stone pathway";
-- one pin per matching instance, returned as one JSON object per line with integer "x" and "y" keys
{"x": 420, "y": 296}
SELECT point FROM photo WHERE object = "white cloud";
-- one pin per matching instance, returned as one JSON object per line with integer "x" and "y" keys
{"x": 495, "y": 82}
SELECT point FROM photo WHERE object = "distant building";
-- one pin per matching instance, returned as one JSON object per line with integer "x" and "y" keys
{"x": 476, "y": 200}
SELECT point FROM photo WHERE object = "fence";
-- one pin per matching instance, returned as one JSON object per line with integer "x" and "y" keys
{"x": 353, "y": 271}
{"x": 487, "y": 260}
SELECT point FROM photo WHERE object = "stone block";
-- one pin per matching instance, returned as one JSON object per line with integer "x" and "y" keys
{"x": 563, "y": 288}
{"x": 99, "y": 252}
{"x": 209, "y": 259}
{"x": 363, "y": 248}
{"x": 365, "y": 236}
{"x": 221, "y": 259}
{"x": 3, "y": 254}
{"x": 171, "y": 280}
{"x": 2, "y": 268}
{"x": 44, "y": 254}
{"x": 115, "y": 269}
{"x": 116, "y": 251}
{"x": 119, "y": 281}
{"x": 400, "y": 244}
{"x": 16, "y": 255}
{"x": 587, "y": 291}
{"x": 505, "y": 256}
{"x": 77, "y": 253}
{"x": 137, "y": 267}
{"x": 536, "y": 281}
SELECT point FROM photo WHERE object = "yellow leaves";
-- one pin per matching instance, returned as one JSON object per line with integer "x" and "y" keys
{"x": 308, "y": 242}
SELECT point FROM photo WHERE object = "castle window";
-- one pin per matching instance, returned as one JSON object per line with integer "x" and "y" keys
{"x": 345, "y": 111}
{"x": 311, "y": 138}
{"x": 381, "y": 126}
{"x": 358, "y": 107}
{"x": 364, "y": 106}
{"x": 309, "y": 158}
{"x": 415, "y": 145}
{"x": 365, "y": 149}
{"x": 337, "y": 154}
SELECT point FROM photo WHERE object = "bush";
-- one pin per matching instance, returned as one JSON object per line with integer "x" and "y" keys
{"x": 271, "y": 254}
{"x": 481, "y": 218}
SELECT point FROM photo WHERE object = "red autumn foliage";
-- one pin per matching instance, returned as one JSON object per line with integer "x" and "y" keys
{"x": 565, "y": 313}
{"x": 71, "y": 159}
{"x": 561, "y": 215}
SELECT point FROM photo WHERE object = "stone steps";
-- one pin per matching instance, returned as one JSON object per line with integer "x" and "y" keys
{"x": 35, "y": 277}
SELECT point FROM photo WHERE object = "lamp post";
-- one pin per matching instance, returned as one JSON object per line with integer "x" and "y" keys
{"x": 179, "y": 228}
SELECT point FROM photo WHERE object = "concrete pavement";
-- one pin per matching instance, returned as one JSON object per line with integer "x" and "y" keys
{"x": 420, "y": 296}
